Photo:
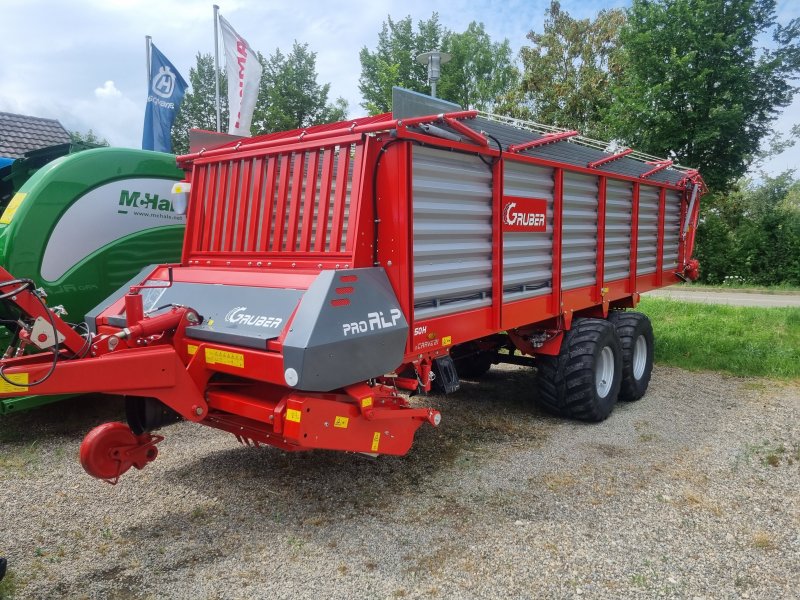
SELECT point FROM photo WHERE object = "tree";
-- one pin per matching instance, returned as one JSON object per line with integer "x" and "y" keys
{"x": 752, "y": 234}
{"x": 699, "y": 86}
{"x": 198, "y": 109}
{"x": 568, "y": 70}
{"x": 394, "y": 61}
{"x": 480, "y": 72}
{"x": 90, "y": 137}
{"x": 290, "y": 97}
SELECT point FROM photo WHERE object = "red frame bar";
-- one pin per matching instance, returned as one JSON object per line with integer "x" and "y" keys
{"x": 662, "y": 208}
{"x": 242, "y": 208}
{"x": 340, "y": 198}
{"x": 268, "y": 205}
{"x": 497, "y": 246}
{"x": 364, "y": 198}
{"x": 195, "y": 210}
{"x": 282, "y": 200}
{"x": 608, "y": 159}
{"x": 634, "y": 237}
{"x": 204, "y": 243}
{"x": 219, "y": 208}
{"x": 308, "y": 205}
{"x": 255, "y": 206}
{"x": 467, "y": 131}
{"x": 297, "y": 194}
{"x": 601, "y": 238}
{"x": 660, "y": 166}
{"x": 558, "y": 203}
{"x": 547, "y": 139}
{"x": 324, "y": 199}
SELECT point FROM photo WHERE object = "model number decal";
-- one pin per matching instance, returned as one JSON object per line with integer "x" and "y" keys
{"x": 374, "y": 321}
{"x": 223, "y": 357}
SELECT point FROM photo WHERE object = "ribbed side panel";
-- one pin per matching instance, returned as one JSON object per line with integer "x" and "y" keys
{"x": 528, "y": 256}
{"x": 289, "y": 202}
{"x": 619, "y": 206}
{"x": 452, "y": 206}
{"x": 647, "y": 247}
{"x": 672, "y": 229}
{"x": 579, "y": 231}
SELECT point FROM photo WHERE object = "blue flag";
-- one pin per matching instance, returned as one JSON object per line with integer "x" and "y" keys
{"x": 164, "y": 96}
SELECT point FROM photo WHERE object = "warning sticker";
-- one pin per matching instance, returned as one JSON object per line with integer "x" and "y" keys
{"x": 341, "y": 422}
{"x": 366, "y": 402}
{"x": 223, "y": 357}
{"x": 11, "y": 209}
{"x": 376, "y": 440}
{"x": 293, "y": 415}
{"x": 191, "y": 349}
{"x": 447, "y": 340}
{"x": 19, "y": 378}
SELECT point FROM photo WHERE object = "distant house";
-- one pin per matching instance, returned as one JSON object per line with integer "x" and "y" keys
{"x": 20, "y": 134}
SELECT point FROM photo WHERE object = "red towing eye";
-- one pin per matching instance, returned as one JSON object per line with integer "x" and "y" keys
{"x": 111, "y": 449}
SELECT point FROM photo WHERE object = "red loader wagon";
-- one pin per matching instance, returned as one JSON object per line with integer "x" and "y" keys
{"x": 326, "y": 269}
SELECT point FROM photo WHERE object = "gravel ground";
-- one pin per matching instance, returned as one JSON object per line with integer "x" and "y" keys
{"x": 690, "y": 493}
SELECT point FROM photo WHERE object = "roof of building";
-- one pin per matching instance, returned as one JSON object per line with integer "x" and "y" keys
{"x": 21, "y": 133}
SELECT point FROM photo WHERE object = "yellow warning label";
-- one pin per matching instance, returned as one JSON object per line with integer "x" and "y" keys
{"x": 293, "y": 415}
{"x": 376, "y": 440}
{"x": 447, "y": 340}
{"x": 366, "y": 402}
{"x": 19, "y": 378}
{"x": 12, "y": 207}
{"x": 191, "y": 349}
{"x": 341, "y": 422}
{"x": 223, "y": 357}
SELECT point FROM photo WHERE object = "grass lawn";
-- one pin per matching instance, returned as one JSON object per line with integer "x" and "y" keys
{"x": 736, "y": 339}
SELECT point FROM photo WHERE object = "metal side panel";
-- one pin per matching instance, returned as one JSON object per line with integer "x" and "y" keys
{"x": 452, "y": 212}
{"x": 579, "y": 231}
{"x": 619, "y": 207}
{"x": 647, "y": 245}
{"x": 528, "y": 256}
{"x": 348, "y": 327}
{"x": 672, "y": 229}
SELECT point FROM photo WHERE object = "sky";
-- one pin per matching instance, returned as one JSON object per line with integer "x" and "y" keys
{"x": 83, "y": 61}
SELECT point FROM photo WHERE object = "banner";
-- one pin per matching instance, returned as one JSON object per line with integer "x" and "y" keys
{"x": 164, "y": 96}
{"x": 244, "y": 75}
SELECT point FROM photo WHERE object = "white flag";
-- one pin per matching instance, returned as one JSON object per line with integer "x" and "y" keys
{"x": 244, "y": 75}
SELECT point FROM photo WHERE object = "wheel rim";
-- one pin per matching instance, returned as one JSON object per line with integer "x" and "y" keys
{"x": 604, "y": 374}
{"x": 639, "y": 357}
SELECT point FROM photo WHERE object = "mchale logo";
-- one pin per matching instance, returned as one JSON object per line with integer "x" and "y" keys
{"x": 524, "y": 214}
{"x": 151, "y": 201}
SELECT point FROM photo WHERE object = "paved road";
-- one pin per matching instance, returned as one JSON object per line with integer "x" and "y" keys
{"x": 724, "y": 297}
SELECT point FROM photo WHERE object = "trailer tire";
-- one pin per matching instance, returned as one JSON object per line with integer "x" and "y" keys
{"x": 583, "y": 380}
{"x": 636, "y": 335}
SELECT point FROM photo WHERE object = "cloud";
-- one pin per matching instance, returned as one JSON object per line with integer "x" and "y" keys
{"x": 109, "y": 90}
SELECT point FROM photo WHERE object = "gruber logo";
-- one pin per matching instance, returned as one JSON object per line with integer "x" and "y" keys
{"x": 524, "y": 214}
{"x": 238, "y": 316}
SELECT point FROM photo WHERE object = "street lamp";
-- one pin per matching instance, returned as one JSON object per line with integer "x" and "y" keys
{"x": 434, "y": 59}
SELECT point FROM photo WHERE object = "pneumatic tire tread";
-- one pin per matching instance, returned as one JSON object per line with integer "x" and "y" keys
{"x": 630, "y": 325}
{"x": 565, "y": 384}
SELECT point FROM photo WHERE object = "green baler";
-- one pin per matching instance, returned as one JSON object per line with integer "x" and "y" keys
{"x": 85, "y": 224}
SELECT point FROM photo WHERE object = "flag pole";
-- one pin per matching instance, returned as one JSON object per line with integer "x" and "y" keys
{"x": 148, "y": 39}
{"x": 216, "y": 61}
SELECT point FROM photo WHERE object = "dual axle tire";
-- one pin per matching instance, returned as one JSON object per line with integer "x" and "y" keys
{"x": 584, "y": 380}
{"x": 636, "y": 336}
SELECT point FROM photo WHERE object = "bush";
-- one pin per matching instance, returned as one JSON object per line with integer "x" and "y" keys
{"x": 752, "y": 235}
